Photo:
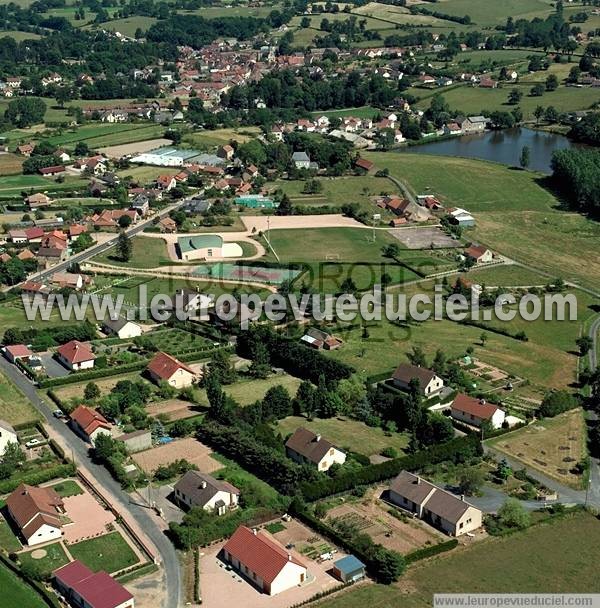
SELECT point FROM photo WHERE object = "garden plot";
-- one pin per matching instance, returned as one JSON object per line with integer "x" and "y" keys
{"x": 190, "y": 449}
{"x": 424, "y": 238}
{"x": 173, "y": 409}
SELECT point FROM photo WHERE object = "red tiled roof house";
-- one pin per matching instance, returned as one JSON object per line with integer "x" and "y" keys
{"x": 476, "y": 411}
{"x": 263, "y": 561}
{"x": 166, "y": 368}
{"x": 36, "y": 511}
{"x": 86, "y": 589}
{"x": 89, "y": 423}
{"x": 76, "y": 355}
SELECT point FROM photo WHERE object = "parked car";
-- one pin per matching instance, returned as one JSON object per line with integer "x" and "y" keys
{"x": 33, "y": 443}
{"x": 58, "y": 414}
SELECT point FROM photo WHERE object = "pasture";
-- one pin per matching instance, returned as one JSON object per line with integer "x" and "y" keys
{"x": 551, "y": 556}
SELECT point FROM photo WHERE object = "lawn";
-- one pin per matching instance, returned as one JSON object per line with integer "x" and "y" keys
{"x": 105, "y": 385}
{"x": 551, "y": 557}
{"x": 109, "y": 552}
{"x": 15, "y": 408}
{"x": 67, "y": 488}
{"x": 147, "y": 252}
{"x": 55, "y": 558}
{"x": 247, "y": 391}
{"x": 16, "y": 592}
{"x": 551, "y": 445}
{"x": 346, "y": 434}
{"x": 8, "y": 541}
{"x": 534, "y": 231}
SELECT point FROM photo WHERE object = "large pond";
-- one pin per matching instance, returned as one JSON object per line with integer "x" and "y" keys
{"x": 501, "y": 146}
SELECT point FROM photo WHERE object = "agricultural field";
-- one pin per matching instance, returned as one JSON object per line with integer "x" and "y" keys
{"x": 128, "y": 26}
{"x": 105, "y": 134}
{"x": 10, "y": 164}
{"x": 18, "y": 36}
{"x": 474, "y": 100}
{"x": 347, "y": 434}
{"x": 396, "y": 15}
{"x": 109, "y": 552}
{"x": 489, "y": 14}
{"x": 552, "y": 446}
{"x": 534, "y": 231}
{"x": 17, "y": 593}
{"x": 361, "y": 112}
{"x": 205, "y": 140}
{"x": 15, "y": 408}
{"x": 11, "y": 185}
{"x": 545, "y": 556}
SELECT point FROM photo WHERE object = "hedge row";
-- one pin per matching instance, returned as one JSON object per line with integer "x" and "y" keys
{"x": 37, "y": 478}
{"x": 430, "y": 551}
{"x": 376, "y": 378}
{"x": 457, "y": 450}
{"x": 520, "y": 336}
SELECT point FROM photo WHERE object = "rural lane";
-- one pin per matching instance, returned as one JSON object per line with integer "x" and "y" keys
{"x": 100, "y": 476}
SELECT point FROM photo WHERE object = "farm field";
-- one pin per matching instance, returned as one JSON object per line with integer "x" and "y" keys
{"x": 551, "y": 445}
{"x": 346, "y": 433}
{"x": 12, "y": 185}
{"x": 109, "y": 552}
{"x": 15, "y": 408}
{"x": 489, "y": 14}
{"x": 10, "y": 164}
{"x": 16, "y": 592}
{"x": 361, "y": 112}
{"x": 106, "y": 134}
{"x": 19, "y": 36}
{"x": 188, "y": 448}
{"x": 207, "y": 139}
{"x": 128, "y": 26}
{"x": 534, "y": 231}
{"x": 398, "y": 15}
{"x": 473, "y": 100}
{"x": 545, "y": 557}
{"x": 505, "y": 276}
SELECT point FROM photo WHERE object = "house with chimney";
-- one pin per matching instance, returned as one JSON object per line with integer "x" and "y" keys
{"x": 197, "y": 489}
{"x": 479, "y": 254}
{"x": 89, "y": 423}
{"x": 76, "y": 355}
{"x": 306, "y": 447}
{"x": 260, "y": 559}
{"x": 430, "y": 384}
{"x": 476, "y": 412}
{"x": 121, "y": 328}
{"x": 37, "y": 513}
{"x": 443, "y": 510}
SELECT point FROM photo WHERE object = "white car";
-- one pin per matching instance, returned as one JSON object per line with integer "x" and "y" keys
{"x": 33, "y": 443}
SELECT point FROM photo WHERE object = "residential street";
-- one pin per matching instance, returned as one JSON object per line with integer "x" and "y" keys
{"x": 139, "y": 517}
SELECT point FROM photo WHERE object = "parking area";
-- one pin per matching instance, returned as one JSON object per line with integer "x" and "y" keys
{"x": 424, "y": 238}
{"x": 217, "y": 582}
{"x": 371, "y": 516}
{"x": 189, "y": 448}
{"x": 53, "y": 368}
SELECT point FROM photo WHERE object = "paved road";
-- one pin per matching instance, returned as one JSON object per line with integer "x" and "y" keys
{"x": 594, "y": 331}
{"x": 141, "y": 515}
{"x": 101, "y": 247}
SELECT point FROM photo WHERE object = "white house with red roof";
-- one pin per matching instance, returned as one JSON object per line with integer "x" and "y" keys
{"x": 14, "y": 352}
{"x": 476, "y": 412}
{"x": 166, "y": 368}
{"x": 86, "y": 589}
{"x": 480, "y": 254}
{"x": 36, "y": 511}
{"x": 76, "y": 355}
{"x": 263, "y": 561}
{"x": 89, "y": 423}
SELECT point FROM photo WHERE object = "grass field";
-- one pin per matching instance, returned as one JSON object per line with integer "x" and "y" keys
{"x": 17, "y": 593}
{"x": 347, "y": 434}
{"x": 19, "y": 36}
{"x": 526, "y": 225}
{"x": 8, "y": 541}
{"x": 506, "y": 276}
{"x": 361, "y": 112}
{"x": 495, "y": 13}
{"x": 10, "y": 164}
{"x": 109, "y": 552}
{"x": 55, "y": 558}
{"x": 474, "y": 100}
{"x": 15, "y": 408}
{"x": 147, "y": 252}
{"x": 247, "y": 391}
{"x": 105, "y": 385}
{"x": 205, "y": 140}
{"x": 552, "y": 446}
{"x": 552, "y": 557}
{"x": 128, "y": 26}
{"x": 398, "y": 15}
{"x": 105, "y": 134}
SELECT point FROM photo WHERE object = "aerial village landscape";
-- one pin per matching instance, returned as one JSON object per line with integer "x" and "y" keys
{"x": 180, "y": 161}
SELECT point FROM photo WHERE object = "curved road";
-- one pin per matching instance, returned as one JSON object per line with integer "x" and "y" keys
{"x": 100, "y": 476}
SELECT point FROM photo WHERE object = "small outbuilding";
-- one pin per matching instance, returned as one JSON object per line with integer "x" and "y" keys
{"x": 349, "y": 569}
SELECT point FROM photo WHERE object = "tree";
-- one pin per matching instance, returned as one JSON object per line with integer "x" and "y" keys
{"x": 91, "y": 391}
{"x": 525, "y": 157}
{"x": 25, "y": 111}
{"x": 417, "y": 356}
{"x": 483, "y": 338}
{"x": 124, "y": 247}
{"x": 63, "y": 94}
{"x": 551, "y": 82}
{"x": 551, "y": 115}
{"x": 514, "y": 97}
{"x": 537, "y": 90}
{"x": 513, "y": 515}
{"x": 124, "y": 222}
{"x": 538, "y": 113}
{"x": 470, "y": 481}
{"x": 285, "y": 206}
{"x": 585, "y": 343}
{"x": 556, "y": 402}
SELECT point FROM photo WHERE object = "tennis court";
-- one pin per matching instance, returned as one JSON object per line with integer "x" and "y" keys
{"x": 247, "y": 274}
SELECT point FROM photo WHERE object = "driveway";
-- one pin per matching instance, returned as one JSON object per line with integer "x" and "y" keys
{"x": 53, "y": 368}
